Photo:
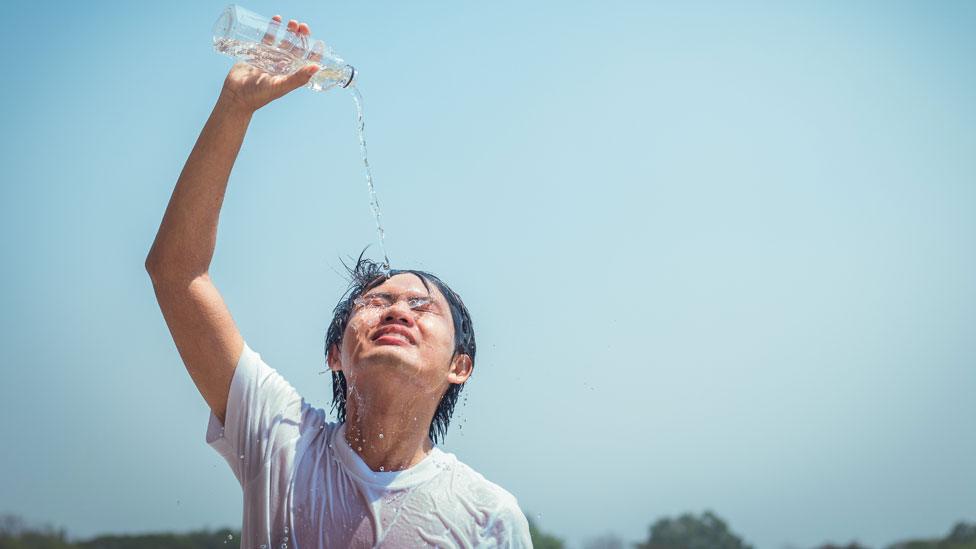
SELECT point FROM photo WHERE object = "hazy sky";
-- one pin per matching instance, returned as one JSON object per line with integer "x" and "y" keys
{"x": 718, "y": 256}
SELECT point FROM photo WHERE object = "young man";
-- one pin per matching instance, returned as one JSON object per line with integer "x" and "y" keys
{"x": 400, "y": 347}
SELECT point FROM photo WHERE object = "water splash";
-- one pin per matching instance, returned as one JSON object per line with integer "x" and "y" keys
{"x": 374, "y": 204}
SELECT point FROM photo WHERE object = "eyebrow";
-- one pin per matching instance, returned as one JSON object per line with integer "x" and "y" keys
{"x": 373, "y": 294}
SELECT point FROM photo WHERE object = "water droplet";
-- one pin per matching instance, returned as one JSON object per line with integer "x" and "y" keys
{"x": 381, "y": 435}
{"x": 381, "y": 467}
{"x": 286, "y": 529}
{"x": 359, "y": 448}
{"x": 242, "y": 456}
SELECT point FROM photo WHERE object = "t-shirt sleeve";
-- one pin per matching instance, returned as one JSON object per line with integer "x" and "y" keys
{"x": 509, "y": 528}
{"x": 263, "y": 414}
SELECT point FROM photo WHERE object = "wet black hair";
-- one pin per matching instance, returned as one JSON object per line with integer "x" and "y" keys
{"x": 366, "y": 275}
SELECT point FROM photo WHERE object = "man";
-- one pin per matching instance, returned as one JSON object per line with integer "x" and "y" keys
{"x": 400, "y": 348}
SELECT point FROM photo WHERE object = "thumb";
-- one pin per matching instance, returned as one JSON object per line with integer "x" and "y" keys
{"x": 305, "y": 74}
{"x": 297, "y": 79}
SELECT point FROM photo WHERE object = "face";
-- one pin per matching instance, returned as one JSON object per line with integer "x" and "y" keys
{"x": 397, "y": 345}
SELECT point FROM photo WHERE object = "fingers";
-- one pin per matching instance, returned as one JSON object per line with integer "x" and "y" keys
{"x": 296, "y": 38}
{"x": 303, "y": 33}
{"x": 286, "y": 42}
{"x": 269, "y": 35}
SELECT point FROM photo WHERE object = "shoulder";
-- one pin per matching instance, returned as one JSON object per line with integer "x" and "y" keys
{"x": 505, "y": 522}
{"x": 486, "y": 490}
{"x": 508, "y": 526}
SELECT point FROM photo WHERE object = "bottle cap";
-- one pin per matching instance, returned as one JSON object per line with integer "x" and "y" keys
{"x": 352, "y": 76}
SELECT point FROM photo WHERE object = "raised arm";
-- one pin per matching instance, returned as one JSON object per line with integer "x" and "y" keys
{"x": 179, "y": 261}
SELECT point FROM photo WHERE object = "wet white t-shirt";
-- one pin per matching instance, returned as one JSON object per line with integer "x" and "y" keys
{"x": 304, "y": 487}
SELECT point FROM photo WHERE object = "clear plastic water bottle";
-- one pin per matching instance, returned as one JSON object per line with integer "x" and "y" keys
{"x": 263, "y": 43}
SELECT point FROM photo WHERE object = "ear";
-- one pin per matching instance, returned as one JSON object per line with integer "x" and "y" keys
{"x": 335, "y": 361}
{"x": 461, "y": 369}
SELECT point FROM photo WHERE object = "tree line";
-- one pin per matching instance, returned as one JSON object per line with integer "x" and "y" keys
{"x": 687, "y": 531}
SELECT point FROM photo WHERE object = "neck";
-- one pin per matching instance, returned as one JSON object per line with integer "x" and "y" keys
{"x": 389, "y": 434}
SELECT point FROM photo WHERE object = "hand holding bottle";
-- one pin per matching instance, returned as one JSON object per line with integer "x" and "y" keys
{"x": 250, "y": 88}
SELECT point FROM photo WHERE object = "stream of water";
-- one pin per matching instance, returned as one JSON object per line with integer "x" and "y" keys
{"x": 374, "y": 204}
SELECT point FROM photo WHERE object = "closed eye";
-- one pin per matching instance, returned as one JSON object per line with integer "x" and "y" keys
{"x": 419, "y": 303}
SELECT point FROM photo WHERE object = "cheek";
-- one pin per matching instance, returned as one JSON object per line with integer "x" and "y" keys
{"x": 440, "y": 338}
{"x": 356, "y": 329}
{"x": 364, "y": 319}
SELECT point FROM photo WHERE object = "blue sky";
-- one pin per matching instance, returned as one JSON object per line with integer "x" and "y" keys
{"x": 718, "y": 256}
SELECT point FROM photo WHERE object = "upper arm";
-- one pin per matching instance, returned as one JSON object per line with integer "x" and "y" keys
{"x": 205, "y": 335}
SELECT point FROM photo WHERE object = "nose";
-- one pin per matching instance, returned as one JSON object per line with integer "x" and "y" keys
{"x": 399, "y": 313}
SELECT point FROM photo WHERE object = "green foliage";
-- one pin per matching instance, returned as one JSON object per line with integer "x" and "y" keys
{"x": 685, "y": 532}
{"x": 691, "y": 532}
{"x": 962, "y": 532}
{"x": 220, "y": 539}
{"x": 542, "y": 540}
{"x": 606, "y": 541}
{"x": 961, "y": 536}
{"x": 16, "y": 534}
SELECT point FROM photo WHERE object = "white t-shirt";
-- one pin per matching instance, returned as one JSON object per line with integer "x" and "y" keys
{"x": 304, "y": 487}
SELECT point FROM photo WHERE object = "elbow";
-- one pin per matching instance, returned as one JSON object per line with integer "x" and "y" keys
{"x": 153, "y": 265}
{"x": 153, "y": 258}
{"x": 150, "y": 265}
{"x": 158, "y": 268}
{"x": 166, "y": 271}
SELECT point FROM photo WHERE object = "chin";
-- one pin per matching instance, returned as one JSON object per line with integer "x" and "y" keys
{"x": 394, "y": 357}
{"x": 393, "y": 361}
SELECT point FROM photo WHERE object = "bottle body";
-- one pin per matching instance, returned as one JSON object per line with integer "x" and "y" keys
{"x": 266, "y": 44}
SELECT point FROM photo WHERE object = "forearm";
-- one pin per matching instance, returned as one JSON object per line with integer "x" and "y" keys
{"x": 187, "y": 236}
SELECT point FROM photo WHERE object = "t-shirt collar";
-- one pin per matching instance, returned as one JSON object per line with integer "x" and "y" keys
{"x": 412, "y": 476}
